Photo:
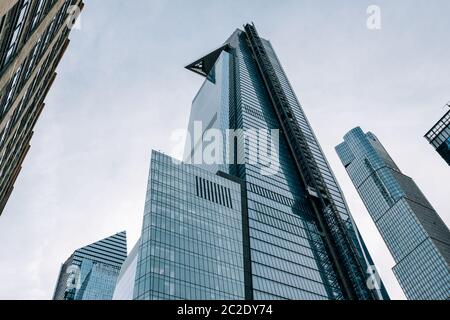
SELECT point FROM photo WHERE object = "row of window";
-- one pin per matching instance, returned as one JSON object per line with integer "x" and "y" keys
{"x": 323, "y": 166}
{"x": 278, "y": 240}
{"x": 203, "y": 277}
{"x": 213, "y": 251}
{"x": 295, "y": 216}
{"x": 284, "y": 290}
{"x": 271, "y": 195}
{"x": 215, "y": 237}
{"x": 97, "y": 281}
{"x": 24, "y": 71}
{"x": 208, "y": 277}
{"x": 166, "y": 289}
{"x": 443, "y": 136}
{"x": 424, "y": 274}
{"x": 26, "y": 117}
{"x": 191, "y": 214}
{"x": 401, "y": 230}
{"x": 289, "y": 264}
{"x": 16, "y": 30}
{"x": 443, "y": 124}
{"x": 20, "y": 25}
{"x": 294, "y": 280}
{"x": 176, "y": 169}
{"x": 279, "y": 224}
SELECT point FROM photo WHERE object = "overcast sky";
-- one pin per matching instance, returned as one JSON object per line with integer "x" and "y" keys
{"x": 122, "y": 90}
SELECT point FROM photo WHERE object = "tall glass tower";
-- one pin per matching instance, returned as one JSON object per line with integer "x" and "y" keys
{"x": 191, "y": 244}
{"x": 250, "y": 224}
{"x": 91, "y": 272}
{"x": 417, "y": 238}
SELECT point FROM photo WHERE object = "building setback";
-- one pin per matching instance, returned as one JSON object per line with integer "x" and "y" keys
{"x": 439, "y": 137}
{"x": 91, "y": 272}
{"x": 227, "y": 231}
{"x": 417, "y": 238}
{"x": 33, "y": 38}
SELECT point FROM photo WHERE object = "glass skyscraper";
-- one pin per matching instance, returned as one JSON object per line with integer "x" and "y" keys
{"x": 191, "y": 245}
{"x": 261, "y": 226}
{"x": 33, "y": 38}
{"x": 439, "y": 137}
{"x": 417, "y": 238}
{"x": 91, "y": 272}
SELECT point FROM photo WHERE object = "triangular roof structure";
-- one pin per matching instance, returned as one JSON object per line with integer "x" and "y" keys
{"x": 205, "y": 64}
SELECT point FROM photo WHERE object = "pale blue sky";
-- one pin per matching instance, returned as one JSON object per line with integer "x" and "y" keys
{"x": 122, "y": 90}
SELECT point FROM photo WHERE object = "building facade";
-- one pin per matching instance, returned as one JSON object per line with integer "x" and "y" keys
{"x": 33, "y": 38}
{"x": 91, "y": 272}
{"x": 286, "y": 233}
{"x": 191, "y": 244}
{"x": 417, "y": 238}
{"x": 439, "y": 137}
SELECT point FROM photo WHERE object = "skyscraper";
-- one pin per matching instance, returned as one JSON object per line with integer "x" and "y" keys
{"x": 417, "y": 238}
{"x": 33, "y": 38}
{"x": 270, "y": 225}
{"x": 439, "y": 137}
{"x": 191, "y": 244}
{"x": 91, "y": 272}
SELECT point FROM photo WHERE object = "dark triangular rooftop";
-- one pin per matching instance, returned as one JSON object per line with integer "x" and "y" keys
{"x": 204, "y": 65}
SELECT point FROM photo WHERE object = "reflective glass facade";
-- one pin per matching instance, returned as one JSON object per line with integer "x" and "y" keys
{"x": 125, "y": 281}
{"x": 91, "y": 272}
{"x": 191, "y": 236}
{"x": 278, "y": 250}
{"x": 210, "y": 111}
{"x": 288, "y": 256}
{"x": 417, "y": 238}
{"x": 439, "y": 137}
{"x": 33, "y": 38}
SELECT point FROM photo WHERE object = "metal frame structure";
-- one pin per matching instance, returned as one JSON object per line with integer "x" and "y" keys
{"x": 439, "y": 126}
{"x": 439, "y": 135}
{"x": 342, "y": 250}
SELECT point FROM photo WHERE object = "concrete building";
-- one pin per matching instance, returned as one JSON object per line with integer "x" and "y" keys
{"x": 33, "y": 38}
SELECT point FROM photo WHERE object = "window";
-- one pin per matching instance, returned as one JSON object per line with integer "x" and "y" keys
{"x": 37, "y": 14}
{"x": 3, "y": 134}
{"x": 11, "y": 48}
{"x": 11, "y": 91}
{"x": 2, "y": 22}
{"x": 49, "y": 33}
{"x": 32, "y": 59}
